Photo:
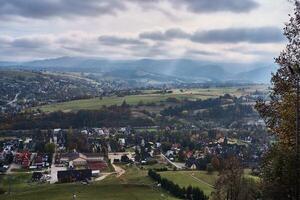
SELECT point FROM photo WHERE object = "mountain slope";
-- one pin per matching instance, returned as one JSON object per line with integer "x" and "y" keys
{"x": 157, "y": 70}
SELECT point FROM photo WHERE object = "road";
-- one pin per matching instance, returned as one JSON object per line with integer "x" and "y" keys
{"x": 169, "y": 161}
{"x": 103, "y": 176}
{"x": 119, "y": 170}
{"x": 14, "y": 100}
{"x": 54, "y": 171}
{"x": 12, "y": 166}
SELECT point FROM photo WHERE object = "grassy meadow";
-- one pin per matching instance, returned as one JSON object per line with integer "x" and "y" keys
{"x": 133, "y": 185}
{"x": 200, "y": 179}
{"x": 148, "y": 96}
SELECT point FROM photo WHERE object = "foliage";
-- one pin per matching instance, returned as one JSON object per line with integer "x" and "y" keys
{"x": 50, "y": 148}
{"x": 108, "y": 116}
{"x": 231, "y": 184}
{"x": 279, "y": 164}
{"x": 190, "y": 193}
{"x": 76, "y": 142}
{"x": 278, "y": 174}
{"x": 2, "y": 191}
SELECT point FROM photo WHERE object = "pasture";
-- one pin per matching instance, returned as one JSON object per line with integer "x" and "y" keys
{"x": 148, "y": 96}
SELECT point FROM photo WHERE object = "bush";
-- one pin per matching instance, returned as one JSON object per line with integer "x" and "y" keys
{"x": 209, "y": 168}
{"x": 175, "y": 189}
{"x": 2, "y": 191}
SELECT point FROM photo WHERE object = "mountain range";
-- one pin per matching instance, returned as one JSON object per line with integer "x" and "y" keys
{"x": 167, "y": 70}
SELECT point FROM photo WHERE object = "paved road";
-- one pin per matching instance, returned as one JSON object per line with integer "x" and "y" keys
{"x": 14, "y": 100}
{"x": 169, "y": 161}
{"x": 54, "y": 171}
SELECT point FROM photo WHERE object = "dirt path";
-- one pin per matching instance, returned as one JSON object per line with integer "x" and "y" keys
{"x": 120, "y": 171}
{"x": 104, "y": 175}
{"x": 201, "y": 181}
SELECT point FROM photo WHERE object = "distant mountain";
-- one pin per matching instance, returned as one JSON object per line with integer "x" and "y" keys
{"x": 165, "y": 70}
{"x": 258, "y": 75}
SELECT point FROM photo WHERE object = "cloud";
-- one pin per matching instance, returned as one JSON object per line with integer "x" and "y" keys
{"x": 41, "y": 9}
{"x": 115, "y": 41}
{"x": 236, "y": 35}
{"x": 194, "y": 52}
{"x": 153, "y": 35}
{"x": 30, "y": 43}
{"x": 207, "y": 6}
{"x": 59, "y": 8}
{"x": 229, "y": 35}
{"x": 155, "y": 44}
{"x": 174, "y": 33}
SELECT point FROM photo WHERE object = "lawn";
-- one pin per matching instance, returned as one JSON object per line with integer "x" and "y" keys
{"x": 194, "y": 178}
{"x": 147, "y": 97}
{"x": 89, "y": 192}
{"x": 133, "y": 185}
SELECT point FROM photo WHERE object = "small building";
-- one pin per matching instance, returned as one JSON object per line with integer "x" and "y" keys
{"x": 74, "y": 175}
{"x": 80, "y": 160}
{"x": 36, "y": 176}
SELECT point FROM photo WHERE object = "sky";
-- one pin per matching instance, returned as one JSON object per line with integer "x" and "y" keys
{"x": 214, "y": 30}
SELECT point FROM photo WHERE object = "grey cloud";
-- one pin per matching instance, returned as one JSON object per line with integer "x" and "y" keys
{"x": 58, "y": 8}
{"x": 176, "y": 33}
{"x": 201, "y": 52}
{"x": 236, "y": 35}
{"x": 169, "y": 34}
{"x": 229, "y": 35}
{"x": 206, "y": 6}
{"x": 40, "y": 9}
{"x": 30, "y": 43}
{"x": 115, "y": 41}
{"x": 154, "y": 35}
{"x": 249, "y": 51}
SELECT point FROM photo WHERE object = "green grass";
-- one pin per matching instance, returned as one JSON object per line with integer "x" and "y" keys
{"x": 185, "y": 178}
{"x": 18, "y": 181}
{"x": 147, "y": 97}
{"x": 89, "y": 192}
{"x": 133, "y": 185}
{"x": 247, "y": 174}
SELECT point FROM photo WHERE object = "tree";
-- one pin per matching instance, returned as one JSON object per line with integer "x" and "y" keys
{"x": 278, "y": 174}
{"x": 230, "y": 184}
{"x": 49, "y": 148}
{"x": 181, "y": 156}
{"x": 278, "y": 166}
{"x": 215, "y": 163}
{"x": 209, "y": 168}
{"x": 189, "y": 192}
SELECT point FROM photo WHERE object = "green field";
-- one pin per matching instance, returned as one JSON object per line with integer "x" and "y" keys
{"x": 149, "y": 96}
{"x": 134, "y": 185}
{"x": 200, "y": 179}
{"x": 194, "y": 178}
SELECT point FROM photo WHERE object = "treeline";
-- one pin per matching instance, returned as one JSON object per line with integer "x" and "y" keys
{"x": 191, "y": 105}
{"x": 191, "y": 193}
{"x": 227, "y": 114}
{"x": 113, "y": 116}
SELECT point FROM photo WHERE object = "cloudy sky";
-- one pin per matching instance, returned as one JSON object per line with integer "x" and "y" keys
{"x": 216, "y": 30}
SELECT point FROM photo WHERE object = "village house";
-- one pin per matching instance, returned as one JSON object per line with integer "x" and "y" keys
{"x": 77, "y": 160}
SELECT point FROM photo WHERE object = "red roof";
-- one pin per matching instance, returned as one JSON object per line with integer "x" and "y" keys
{"x": 97, "y": 165}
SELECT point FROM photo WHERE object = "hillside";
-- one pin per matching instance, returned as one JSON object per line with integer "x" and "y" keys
{"x": 151, "y": 70}
{"x": 24, "y": 89}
